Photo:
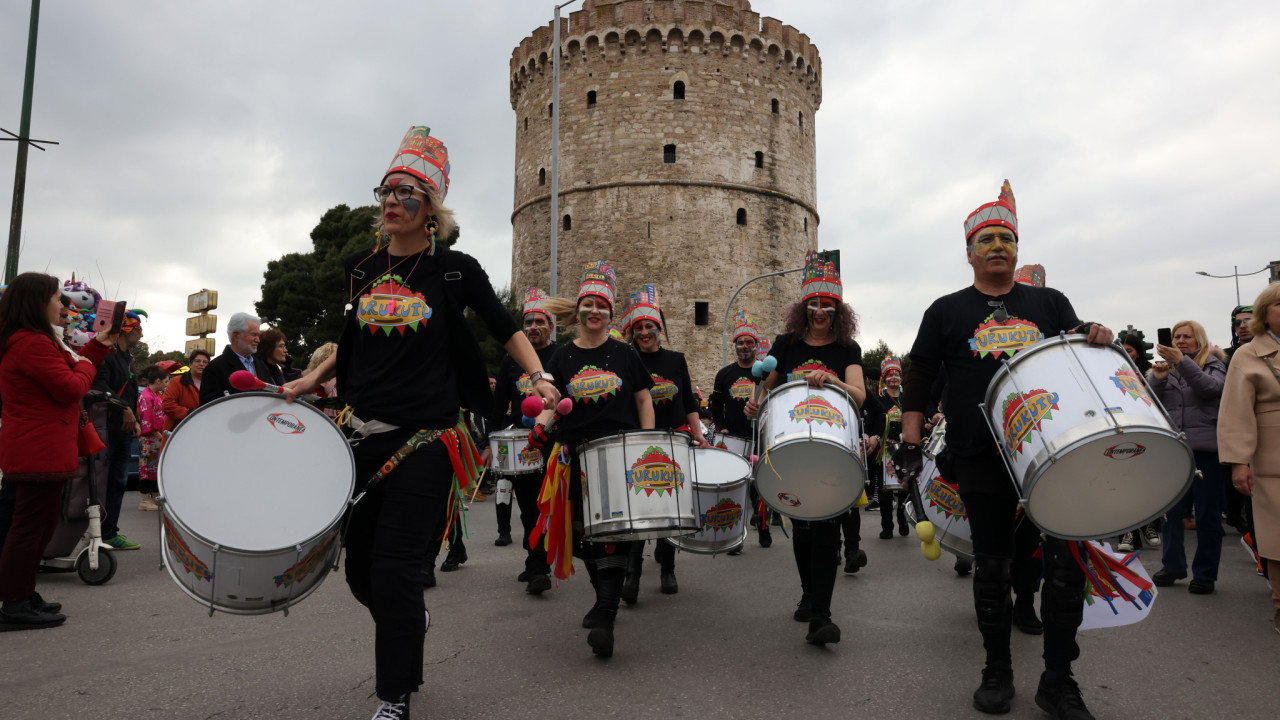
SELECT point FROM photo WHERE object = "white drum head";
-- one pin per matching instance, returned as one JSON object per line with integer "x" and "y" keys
{"x": 713, "y": 466}
{"x": 251, "y": 473}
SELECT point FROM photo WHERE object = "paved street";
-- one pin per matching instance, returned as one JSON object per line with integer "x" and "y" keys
{"x": 724, "y": 647}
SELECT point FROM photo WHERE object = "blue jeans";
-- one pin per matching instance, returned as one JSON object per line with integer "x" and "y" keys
{"x": 117, "y": 451}
{"x": 1208, "y": 496}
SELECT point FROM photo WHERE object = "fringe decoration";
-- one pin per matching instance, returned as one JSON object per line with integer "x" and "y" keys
{"x": 555, "y": 515}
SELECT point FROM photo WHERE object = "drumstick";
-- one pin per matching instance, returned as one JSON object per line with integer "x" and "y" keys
{"x": 532, "y": 407}
{"x": 478, "y": 481}
{"x": 760, "y": 370}
{"x": 244, "y": 381}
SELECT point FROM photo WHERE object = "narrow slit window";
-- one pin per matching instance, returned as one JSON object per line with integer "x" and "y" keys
{"x": 742, "y": 216}
{"x": 526, "y": 124}
{"x": 591, "y": 98}
{"x": 551, "y": 109}
{"x": 668, "y": 153}
{"x": 759, "y": 159}
{"x": 542, "y": 176}
{"x": 701, "y": 314}
{"x": 774, "y": 103}
{"x": 568, "y": 222}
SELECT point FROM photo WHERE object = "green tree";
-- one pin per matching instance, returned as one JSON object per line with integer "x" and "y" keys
{"x": 871, "y": 358}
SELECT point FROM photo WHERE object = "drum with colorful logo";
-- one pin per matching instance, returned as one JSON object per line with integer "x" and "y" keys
{"x": 511, "y": 454}
{"x": 637, "y": 485}
{"x": 252, "y": 492}
{"x": 891, "y": 481}
{"x": 944, "y": 508}
{"x": 734, "y": 444}
{"x": 720, "y": 484}
{"x": 937, "y": 442}
{"x": 811, "y": 467}
{"x": 1091, "y": 451}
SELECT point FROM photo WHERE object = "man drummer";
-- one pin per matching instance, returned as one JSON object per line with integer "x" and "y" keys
{"x": 733, "y": 387}
{"x": 512, "y": 386}
{"x": 968, "y": 333}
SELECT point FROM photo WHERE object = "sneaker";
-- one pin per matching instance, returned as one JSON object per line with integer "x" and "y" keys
{"x": 872, "y": 506}
{"x": 393, "y": 710}
{"x": 538, "y": 584}
{"x": 855, "y": 561}
{"x": 822, "y": 632}
{"x": 804, "y": 610}
{"x": 1024, "y": 618}
{"x": 120, "y": 542}
{"x": 766, "y": 538}
{"x": 886, "y": 534}
{"x": 39, "y": 603}
{"x": 1151, "y": 536}
{"x": 1200, "y": 587}
{"x": 601, "y": 640}
{"x": 457, "y": 556}
{"x": 1126, "y": 543}
{"x": 503, "y": 540}
{"x": 25, "y": 616}
{"x": 1060, "y": 697}
{"x": 996, "y": 690}
{"x": 1164, "y": 578}
{"x": 480, "y": 496}
{"x": 669, "y": 585}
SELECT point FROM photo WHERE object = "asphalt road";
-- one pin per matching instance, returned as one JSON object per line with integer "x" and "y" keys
{"x": 724, "y": 647}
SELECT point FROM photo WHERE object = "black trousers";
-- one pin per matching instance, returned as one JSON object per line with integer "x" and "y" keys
{"x": 991, "y": 501}
{"x": 851, "y": 528}
{"x": 815, "y": 544}
{"x": 526, "y": 489}
{"x": 387, "y": 538}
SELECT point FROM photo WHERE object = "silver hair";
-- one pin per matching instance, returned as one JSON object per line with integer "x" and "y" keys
{"x": 240, "y": 323}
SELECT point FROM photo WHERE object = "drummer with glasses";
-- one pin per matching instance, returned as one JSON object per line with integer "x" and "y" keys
{"x": 817, "y": 346}
{"x": 734, "y": 385}
{"x": 968, "y": 333}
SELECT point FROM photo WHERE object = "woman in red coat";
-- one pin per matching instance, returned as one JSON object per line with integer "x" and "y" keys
{"x": 42, "y": 385}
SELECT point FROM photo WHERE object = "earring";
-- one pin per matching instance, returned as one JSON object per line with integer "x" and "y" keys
{"x": 431, "y": 233}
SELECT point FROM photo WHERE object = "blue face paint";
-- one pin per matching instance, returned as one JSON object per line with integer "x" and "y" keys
{"x": 411, "y": 206}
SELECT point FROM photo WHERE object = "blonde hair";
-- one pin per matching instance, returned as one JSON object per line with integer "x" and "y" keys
{"x": 565, "y": 311}
{"x": 445, "y": 222}
{"x": 1269, "y": 296}
{"x": 321, "y": 354}
{"x": 1202, "y": 343}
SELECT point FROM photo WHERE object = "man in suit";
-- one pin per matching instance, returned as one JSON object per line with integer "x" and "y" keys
{"x": 238, "y": 355}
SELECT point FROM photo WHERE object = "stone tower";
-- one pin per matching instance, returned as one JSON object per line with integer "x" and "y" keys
{"x": 686, "y": 159}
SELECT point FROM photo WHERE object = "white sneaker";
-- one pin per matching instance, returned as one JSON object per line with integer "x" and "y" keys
{"x": 1151, "y": 536}
{"x": 1126, "y": 543}
{"x": 393, "y": 711}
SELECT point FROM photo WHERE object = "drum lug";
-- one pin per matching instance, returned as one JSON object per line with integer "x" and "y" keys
{"x": 213, "y": 581}
{"x": 158, "y": 500}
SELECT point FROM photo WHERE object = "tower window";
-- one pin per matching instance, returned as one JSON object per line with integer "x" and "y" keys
{"x": 759, "y": 159}
{"x": 701, "y": 314}
{"x": 568, "y": 222}
{"x": 526, "y": 124}
{"x": 806, "y": 224}
{"x": 742, "y": 216}
{"x": 542, "y": 176}
{"x": 551, "y": 109}
{"x": 591, "y": 98}
{"x": 775, "y": 106}
{"x": 801, "y": 117}
{"x": 668, "y": 153}
{"x": 677, "y": 91}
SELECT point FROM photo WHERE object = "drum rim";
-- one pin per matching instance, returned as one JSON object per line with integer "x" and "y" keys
{"x": 1007, "y": 364}
{"x": 865, "y": 477}
{"x": 796, "y": 383}
{"x": 511, "y": 432}
{"x": 595, "y": 442}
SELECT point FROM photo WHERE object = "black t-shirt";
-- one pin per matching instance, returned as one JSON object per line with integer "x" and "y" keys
{"x": 959, "y": 333}
{"x": 733, "y": 388}
{"x": 513, "y": 386}
{"x": 672, "y": 391}
{"x": 797, "y": 358}
{"x": 401, "y": 367}
{"x": 889, "y": 425}
{"x": 115, "y": 375}
{"x": 602, "y": 381}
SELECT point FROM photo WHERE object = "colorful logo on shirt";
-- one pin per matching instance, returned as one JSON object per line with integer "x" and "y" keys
{"x": 306, "y": 565}
{"x": 655, "y": 471}
{"x": 1024, "y": 413}
{"x": 1130, "y": 384}
{"x": 592, "y": 383}
{"x": 391, "y": 305}
{"x": 993, "y": 338}
{"x": 524, "y": 386}
{"x": 1124, "y": 451}
{"x": 816, "y": 408}
{"x": 810, "y": 366}
{"x": 286, "y": 423}
{"x": 894, "y": 414}
{"x": 741, "y": 389}
{"x": 663, "y": 390}
{"x": 530, "y": 456}
{"x": 945, "y": 497}
{"x": 183, "y": 554}
{"x": 724, "y": 515}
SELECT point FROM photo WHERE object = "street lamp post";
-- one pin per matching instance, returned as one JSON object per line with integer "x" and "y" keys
{"x": 724, "y": 335}
{"x": 555, "y": 150}
{"x": 1237, "y": 275}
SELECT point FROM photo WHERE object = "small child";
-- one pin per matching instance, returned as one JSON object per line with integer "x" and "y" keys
{"x": 151, "y": 434}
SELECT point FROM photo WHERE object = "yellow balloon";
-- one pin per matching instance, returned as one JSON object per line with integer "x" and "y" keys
{"x": 924, "y": 531}
{"x": 932, "y": 550}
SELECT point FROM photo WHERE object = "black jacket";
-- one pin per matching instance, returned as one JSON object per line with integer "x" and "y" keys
{"x": 217, "y": 375}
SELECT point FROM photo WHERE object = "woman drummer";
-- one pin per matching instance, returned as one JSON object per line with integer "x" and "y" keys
{"x": 609, "y": 386}
{"x": 817, "y": 346}
{"x": 406, "y": 363}
{"x": 675, "y": 407}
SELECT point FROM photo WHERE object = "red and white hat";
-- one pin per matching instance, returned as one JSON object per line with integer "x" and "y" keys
{"x": 423, "y": 157}
{"x": 642, "y": 305}
{"x": 821, "y": 279}
{"x": 890, "y": 363}
{"x": 599, "y": 279}
{"x": 535, "y": 301}
{"x": 744, "y": 325}
{"x": 1030, "y": 275}
{"x": 1002, "y": 212}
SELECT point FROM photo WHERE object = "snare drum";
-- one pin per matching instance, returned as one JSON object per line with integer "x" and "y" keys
{"x": 937, "y": 442}
{"x": 734, "y": 444}
{"x": 944, "y": 508}
{"x": 720, "y": 484}
{"x": 891, "y": 481}
{"x": 1092, "y": 453}
{"x": 810, "y": 468}
{"x": 511, "y": 454}
{"x": 250, "y": 542}
{"x": 636, "y": 486}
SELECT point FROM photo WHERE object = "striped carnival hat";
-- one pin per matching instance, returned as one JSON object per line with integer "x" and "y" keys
{"x": 821, "y": 279}
{"x": 743, "y": 324}
{"x": 599, "y": 279}
{"x": 1002, "y": 212}
{"x": 890, "y": 362}
{"x": 535, "y": 301}
{"x": 423, "y": 157}
{"x": 642, "y": 305}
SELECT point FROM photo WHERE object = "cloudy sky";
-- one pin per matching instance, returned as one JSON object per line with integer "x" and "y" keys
{"x": 201, "y": 140}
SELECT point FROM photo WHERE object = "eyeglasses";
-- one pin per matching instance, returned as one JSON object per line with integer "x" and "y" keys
{"x": 403, "y": 192}
{"x": 1000, "y": 315}
{"x": 1236, "y": 322}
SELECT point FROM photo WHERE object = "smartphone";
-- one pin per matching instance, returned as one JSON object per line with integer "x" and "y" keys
{"x": 1164, "y": 336}
{"x": 110, "y": 316}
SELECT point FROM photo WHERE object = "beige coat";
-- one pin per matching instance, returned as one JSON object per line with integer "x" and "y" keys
{"x": 1249, "y": 432}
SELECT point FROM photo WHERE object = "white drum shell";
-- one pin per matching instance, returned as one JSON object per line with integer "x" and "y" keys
{"x": 720, "y": 485}
{"x": 734, "y": 444}
{"x": 1092, "y": 452}
{"x": 944, "y": 508}
{"x": 811, "y": 467}
{"x": 660, "y": 504}
{"x": 253, "y": 494}
{"x": 511, "y": 455}
{"x": 891, "y": 481}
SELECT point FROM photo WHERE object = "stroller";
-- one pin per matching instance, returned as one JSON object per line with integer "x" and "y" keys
{"x": 77, "y": 543}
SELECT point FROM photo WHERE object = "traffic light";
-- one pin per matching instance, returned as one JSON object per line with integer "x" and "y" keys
{"x": 1134, "y": 338}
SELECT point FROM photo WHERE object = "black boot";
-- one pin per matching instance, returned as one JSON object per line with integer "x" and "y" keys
{"x": 457, "y": 556}
{"x": 631, "y": 583}
{"x": 608, "y": 594}
{"x": 669, "y": 585}
{"x": 766, "y": 538}
{"x": 822, "y": 631}
{"x": 996, "y": 690}
{"x": 1059, "y": 695}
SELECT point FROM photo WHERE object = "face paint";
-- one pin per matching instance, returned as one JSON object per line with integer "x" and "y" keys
{"x": 411, "y": 206}
{"x": 582, "y": 316}
{"x": 985, "y": 245}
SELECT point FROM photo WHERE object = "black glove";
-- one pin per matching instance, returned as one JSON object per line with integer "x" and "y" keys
{"x": 538, "y": 437}
{"x": 908, "y": 461}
